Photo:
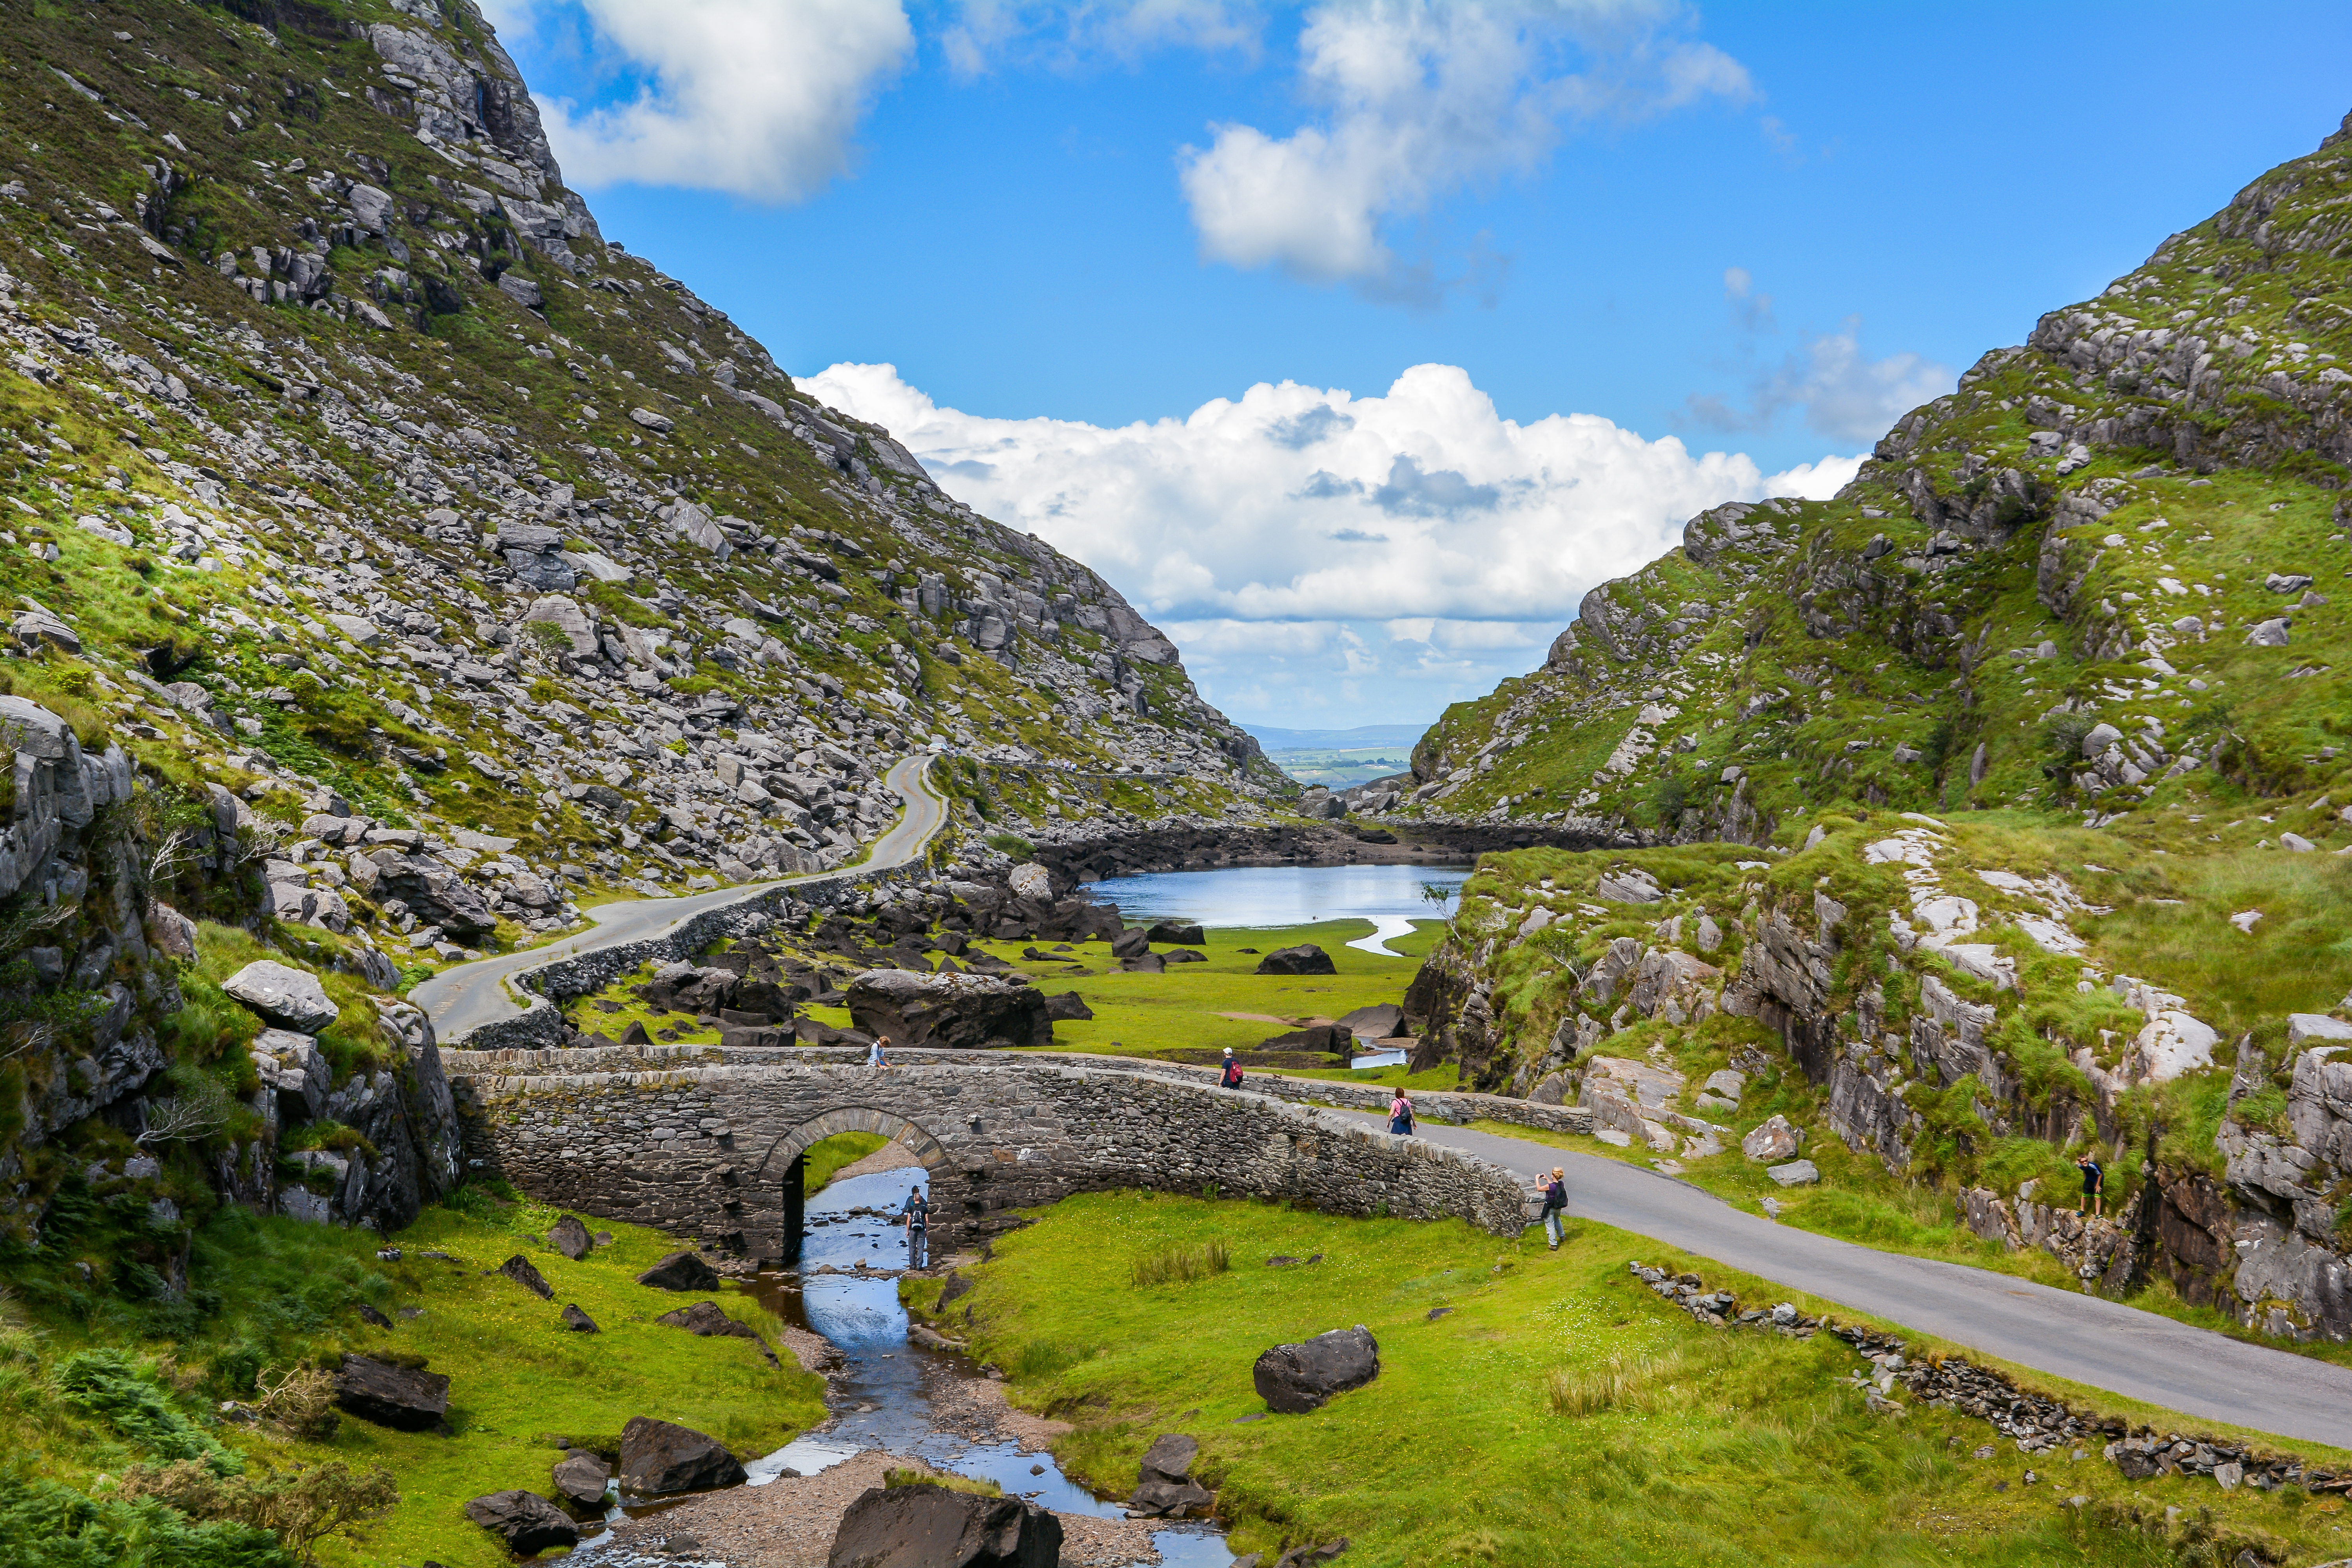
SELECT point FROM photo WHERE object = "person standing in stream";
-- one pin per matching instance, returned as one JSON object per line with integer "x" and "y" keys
{"x": 1400, "y": 1115}
{"x": 918, "y": 1216}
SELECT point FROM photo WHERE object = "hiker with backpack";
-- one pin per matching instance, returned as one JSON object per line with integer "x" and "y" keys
{"x": 1231, "y": 1076}
{"x": 919, "y": 1219}
{"x": 1400, "y": 1115}
{"x": 2094, "y": 1186}
{"x": 1555, "y": 1209}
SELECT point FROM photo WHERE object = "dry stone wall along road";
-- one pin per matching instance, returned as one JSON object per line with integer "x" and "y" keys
{"x": 471, "y": 995}
{"x": 2085, "y": 1339}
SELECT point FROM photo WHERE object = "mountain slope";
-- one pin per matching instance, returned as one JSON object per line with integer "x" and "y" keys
{"x": 355, "y": 474}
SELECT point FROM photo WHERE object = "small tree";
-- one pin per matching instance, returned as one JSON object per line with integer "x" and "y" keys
{"x": 200, "y": 1109}
{"x": 300, "y": 1507}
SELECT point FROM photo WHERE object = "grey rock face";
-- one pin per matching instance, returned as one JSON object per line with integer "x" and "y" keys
{"x": 1293, "y": 1379}
{"x": 526, "y": 1521}
{"x": 964, "y": 1011}
{"x": 290, "y": 998}
{"x": 1795, "y": 1174}
{"x": 1634, "y": 886}
{"x": 296, "y": 1070}
{"x": 1775, "y": 1140}
{"x": 930, "y": 1527}
{"x": 658, "y": 1458}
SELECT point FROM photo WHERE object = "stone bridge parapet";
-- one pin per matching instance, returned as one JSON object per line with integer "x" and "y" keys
{"x": 703, "y": 1150}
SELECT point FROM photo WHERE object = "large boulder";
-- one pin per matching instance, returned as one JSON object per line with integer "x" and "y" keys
{"x": 1293, "y": 1379}
{"x": 1333, "y": 1039}
{"x": 526, "y": 1521}
{"x": 1381, "y": 1021}
{"x": 658, "y": 1458}
{"x": 1179, "y": 932}
{"x": 707, "y": 1319}
{"x": 288, "y": 997}
{"x": 408, "y": 1399}
{"x": 1305, "y": 959}
{"x": 569, "y": 1237}
{"x": 956, "y": 1012}
{"x": 1070, "y": 1006}
{"x": 681, "y": 1270}
{"x": 520, "y": 1270}
{"x": 583, "y": 1477}
{"x": 1774, "y": 1138}
{"x": 1164, "y": 1488}
{"x": 1132, "y": 943}
{"x": 926, "y": 1526}
{"x": 435, "y": 894}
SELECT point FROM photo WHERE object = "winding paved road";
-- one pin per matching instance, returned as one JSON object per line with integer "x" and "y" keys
{"x": 2086, "y": 1339}
{"x": 474, "y": 994}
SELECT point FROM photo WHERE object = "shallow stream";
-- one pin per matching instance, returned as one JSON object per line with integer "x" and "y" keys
{"x": 883, "y": 1391}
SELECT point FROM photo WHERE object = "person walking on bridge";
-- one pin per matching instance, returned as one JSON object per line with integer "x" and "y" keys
{"x": 1555, "y": 1209}
{"x": 1229, "y": 1076}
{"x": 1400, "y": 1115}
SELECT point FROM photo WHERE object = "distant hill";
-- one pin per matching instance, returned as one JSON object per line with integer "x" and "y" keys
{"x": 1357, "y": 738}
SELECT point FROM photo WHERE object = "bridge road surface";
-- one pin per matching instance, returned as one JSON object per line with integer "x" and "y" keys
{"x": 2086, "y": 1339}
{"x": 470, "y": 994}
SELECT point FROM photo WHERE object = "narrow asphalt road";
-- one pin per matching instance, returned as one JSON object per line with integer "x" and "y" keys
{"x": 474, "y": 994}
{"x": 2084, "y": 1337}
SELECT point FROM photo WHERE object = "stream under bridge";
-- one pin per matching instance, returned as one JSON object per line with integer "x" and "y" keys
{"x": 712, "y": 1149}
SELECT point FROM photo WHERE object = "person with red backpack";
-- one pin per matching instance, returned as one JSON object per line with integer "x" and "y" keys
{"x": 1231, "y": 1078}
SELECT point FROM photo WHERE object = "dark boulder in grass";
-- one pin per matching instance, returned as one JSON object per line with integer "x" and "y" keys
{"x": 1178, "y": 933}
{"x": 1132, "y": 943}
{"x": 707, "y": 1319}
{"x": 658, "y": 1458}
{"x": 1144, "y": 964}
{"x": 518, "y": 1269}
{"x": 681, "y": 1270}
{"x": 1305, "y": 959}
{"x": 408, "y": 1399}
{"x": 950, "y": 1012}
{"x": 526, "y": 1521}
{"x": 578, "y": 1322}
{"x": 1332, "y": 1037}
{"x": 1069, "y": 1006}
{"x": 1293, "y": 1379}
{"x": 927, "y": 1526}
{"x": 569, "y": 1237}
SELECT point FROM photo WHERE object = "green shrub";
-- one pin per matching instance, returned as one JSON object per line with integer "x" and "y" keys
{"x": 44, "y": 1525}
{"x": 105, "y": 1383}
{"x": 1011, "y": 844}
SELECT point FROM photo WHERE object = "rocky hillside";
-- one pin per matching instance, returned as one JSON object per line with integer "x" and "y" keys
{"x": 355, "y": 474}
{"x": 1999, "y": 804}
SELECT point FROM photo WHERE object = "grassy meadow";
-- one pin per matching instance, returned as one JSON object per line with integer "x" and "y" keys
{"x": 1689, "y": 1445}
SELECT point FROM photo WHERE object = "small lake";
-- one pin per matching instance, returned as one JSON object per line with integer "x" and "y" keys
{"x": 1284, "y": 895}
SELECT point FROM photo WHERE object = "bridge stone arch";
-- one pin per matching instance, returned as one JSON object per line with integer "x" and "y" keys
{"x": 701, "y": 1151}
{"x": 785, "y": 1163}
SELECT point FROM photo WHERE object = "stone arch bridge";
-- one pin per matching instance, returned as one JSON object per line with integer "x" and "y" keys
{"x": 712, "y": 1149}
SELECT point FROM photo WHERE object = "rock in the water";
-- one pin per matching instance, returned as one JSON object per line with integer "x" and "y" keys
{"x": 518, "y": 1269}
{"x": 583, "y": 1477}
{"x": 526, "y": 1521}
{"x": 955, "y": 1011}
{"x": 707, "y": 1318}
{"x": 1164, "y": 1488}
{"x": 1305, "y": 959}
{"x": 1774, "y": 1139}
{"x": 1068, "y": 1005}
{"x": 289, "y": 998}
{"x": 569, "y": 1237}
{"x": 406, "y": 1398}
{"x": 578, "y": 1322}
{"x": 926, "y": 1526}
{"x": 1795, "y": 1174}
{"x": 1182, "y": 934}
{"x": 1296, "y": 1378}
{"x": 657, "y": 1459}
{"x": 681, "y": 1270}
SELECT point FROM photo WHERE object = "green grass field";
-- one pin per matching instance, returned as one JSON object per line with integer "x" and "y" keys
{"x": 1701, "y": 1448}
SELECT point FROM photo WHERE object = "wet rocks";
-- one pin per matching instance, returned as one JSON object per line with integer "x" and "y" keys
{"x": 658, "y": 1458}
{"x": 583, "y": 1477}
{"x": 407, "y": 1399}
{"x": 1305, "y": 959}
{"x": 526, "y": 1521}
{"x": 1293, "y": 1379}
{"x": 957, "y": 1011}
{"x": 1164, "y": 1488}
{"x": 288, "y": 997}
{"x": 681, "y": 1270}
{"x": 927, "y": 1526}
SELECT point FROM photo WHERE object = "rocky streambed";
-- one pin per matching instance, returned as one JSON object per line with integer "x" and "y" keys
{"x": 897, "y": 1402}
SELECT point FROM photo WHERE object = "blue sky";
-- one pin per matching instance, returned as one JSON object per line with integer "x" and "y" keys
{"x": 1044, "y": 242}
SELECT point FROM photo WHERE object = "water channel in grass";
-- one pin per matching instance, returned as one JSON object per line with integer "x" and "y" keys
{"x": 882, "y": 1391}
{"x": 1271, "y": 897}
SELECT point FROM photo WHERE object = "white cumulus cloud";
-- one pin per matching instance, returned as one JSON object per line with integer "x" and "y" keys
{"x": 756, "y": 98}
{"x": 1415, "y": 533}
{"x": 1420, "y": 97}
